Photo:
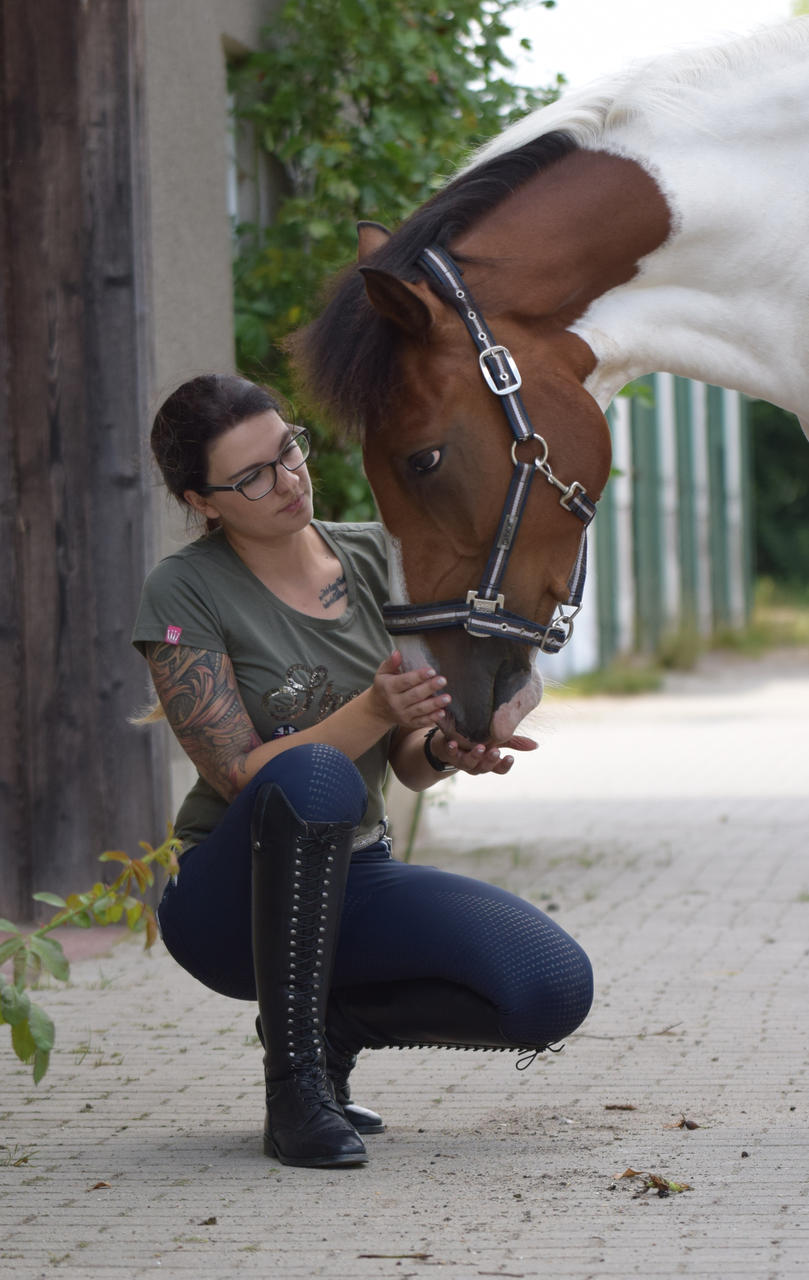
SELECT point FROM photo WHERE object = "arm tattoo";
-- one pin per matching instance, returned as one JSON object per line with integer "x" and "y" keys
{"x": 198, "y": 692}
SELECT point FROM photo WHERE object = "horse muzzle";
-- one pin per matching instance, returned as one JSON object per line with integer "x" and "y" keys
{"x": 493, "y": 686}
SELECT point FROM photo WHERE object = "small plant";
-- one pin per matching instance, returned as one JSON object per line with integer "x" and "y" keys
{"x": 32, "y": 1030}
{"x": 14, "y": 1157}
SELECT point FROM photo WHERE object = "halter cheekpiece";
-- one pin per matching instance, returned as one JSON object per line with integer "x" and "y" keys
{"x": 483, "y": 612}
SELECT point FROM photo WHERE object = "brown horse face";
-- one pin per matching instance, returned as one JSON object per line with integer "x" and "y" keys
{"x": 440, "y": 466}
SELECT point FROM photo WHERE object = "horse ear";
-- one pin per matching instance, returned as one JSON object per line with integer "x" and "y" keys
{"x": 399, "y": 301}
{"x": 370, "y": 237}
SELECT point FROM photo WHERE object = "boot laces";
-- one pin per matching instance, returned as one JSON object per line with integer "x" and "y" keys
{"x": 527, "y": 1056}
{"x": 313, "y": 1085}
{"x": 314, "y": 866}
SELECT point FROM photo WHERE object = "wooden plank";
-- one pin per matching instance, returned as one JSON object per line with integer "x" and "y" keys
{"x": 14, "y": 864}
{"x": 75, "y": 400}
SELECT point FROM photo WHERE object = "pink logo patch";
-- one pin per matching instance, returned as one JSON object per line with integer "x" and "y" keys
{"x": 173, "y": 634}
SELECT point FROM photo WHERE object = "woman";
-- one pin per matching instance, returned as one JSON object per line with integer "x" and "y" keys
{"x": 264, "y": 638}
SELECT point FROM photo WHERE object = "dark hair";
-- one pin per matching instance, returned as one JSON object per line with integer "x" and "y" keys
{"x": 194, "y": 417}
{"x": 347, "y": 357}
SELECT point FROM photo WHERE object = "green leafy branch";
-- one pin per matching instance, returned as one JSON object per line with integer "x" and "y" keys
{"x": 121, "y": 902}
{"x": 350, "y": 111}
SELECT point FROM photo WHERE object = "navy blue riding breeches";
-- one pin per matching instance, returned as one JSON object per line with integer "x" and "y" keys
{"x": 400, "y": 920}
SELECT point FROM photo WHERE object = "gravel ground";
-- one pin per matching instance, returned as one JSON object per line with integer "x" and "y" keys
{"x": 668, "y": 834}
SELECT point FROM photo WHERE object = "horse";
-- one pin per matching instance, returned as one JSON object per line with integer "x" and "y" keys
{"x": 655, "y": 221}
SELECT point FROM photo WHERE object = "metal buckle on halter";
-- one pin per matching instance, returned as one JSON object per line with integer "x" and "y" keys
{"x": 508, "y": 360}
{"x": 484, "y": 606}
{"x": 570, "y": 493}
{"x": 564, "y": 620}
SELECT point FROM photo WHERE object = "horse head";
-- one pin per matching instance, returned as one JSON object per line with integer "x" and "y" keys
{"x": 440, "y": 464}
{"x": 613, "y": 233}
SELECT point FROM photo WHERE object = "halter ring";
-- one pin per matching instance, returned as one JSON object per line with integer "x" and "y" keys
{"x": 540, "y": 463}
{"x": 562, "y": 620}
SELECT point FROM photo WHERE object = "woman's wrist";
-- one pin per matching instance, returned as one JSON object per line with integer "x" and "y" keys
{"x": 433, "y": 758}
{"x": 376, "y": 709}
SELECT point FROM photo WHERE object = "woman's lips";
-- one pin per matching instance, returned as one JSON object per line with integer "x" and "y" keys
{"x": 293, "y": 507}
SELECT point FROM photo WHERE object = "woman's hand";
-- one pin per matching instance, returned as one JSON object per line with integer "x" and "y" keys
{"x": 410, "y": 699}
{"x": 475, "y": 757}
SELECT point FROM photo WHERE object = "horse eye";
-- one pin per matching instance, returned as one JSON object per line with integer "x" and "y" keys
{"x": 427, "y": 460}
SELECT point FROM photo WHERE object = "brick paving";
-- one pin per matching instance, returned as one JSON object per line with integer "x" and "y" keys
{"x": 669, "y": 834}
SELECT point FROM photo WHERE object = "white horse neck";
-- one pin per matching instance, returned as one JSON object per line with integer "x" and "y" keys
{"x": 724, "y": 132}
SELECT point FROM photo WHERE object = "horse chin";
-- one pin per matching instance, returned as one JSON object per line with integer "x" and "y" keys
{"x": 493, "y": 684}
{"x": 491, "y": 698}
{"x": 511, "y": 712}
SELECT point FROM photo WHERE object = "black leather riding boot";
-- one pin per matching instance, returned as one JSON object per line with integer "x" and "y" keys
{"x": 338, "y": 1068}
{"x": 299, "y": 875}
{"x": 415, "y": 1014}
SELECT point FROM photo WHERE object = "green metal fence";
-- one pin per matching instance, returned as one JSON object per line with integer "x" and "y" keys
{"x": 672, "y": 544}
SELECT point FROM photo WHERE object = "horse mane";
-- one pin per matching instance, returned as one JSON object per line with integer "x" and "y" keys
{"x": 347, "y": 356}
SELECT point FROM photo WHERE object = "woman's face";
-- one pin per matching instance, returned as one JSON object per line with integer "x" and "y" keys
{"x": 237, "y": 454}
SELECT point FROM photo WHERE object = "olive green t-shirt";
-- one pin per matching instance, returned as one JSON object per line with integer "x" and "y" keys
{"x": 291, "y": 670}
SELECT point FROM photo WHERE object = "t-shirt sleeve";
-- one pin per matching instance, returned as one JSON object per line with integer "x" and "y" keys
{"x": 176, "y": 607}
{"x": 369, "y": 557}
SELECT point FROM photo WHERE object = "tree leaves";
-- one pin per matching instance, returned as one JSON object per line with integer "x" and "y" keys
{"x": 52, "y": 956}
{"x": 364, "y": 109}
{"x": 32, "y": 1030}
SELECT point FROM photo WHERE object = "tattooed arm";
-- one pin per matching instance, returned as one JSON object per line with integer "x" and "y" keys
{"x": 198, "y": 692}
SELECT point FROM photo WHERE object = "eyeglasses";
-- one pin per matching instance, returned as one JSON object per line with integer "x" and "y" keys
{"x": 264, "y": 479}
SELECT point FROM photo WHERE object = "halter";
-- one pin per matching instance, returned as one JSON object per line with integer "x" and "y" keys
{"x": 483, "y": 612}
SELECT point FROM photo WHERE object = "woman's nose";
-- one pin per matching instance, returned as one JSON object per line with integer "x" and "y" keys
{"x": 285, "y": 481}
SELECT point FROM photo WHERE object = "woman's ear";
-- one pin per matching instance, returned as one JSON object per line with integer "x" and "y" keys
{"x": 201, "y": 504}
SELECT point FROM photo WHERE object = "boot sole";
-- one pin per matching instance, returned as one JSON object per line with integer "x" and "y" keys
{"x": 367, "y": 1129}
{"x": 314, "y": 1162}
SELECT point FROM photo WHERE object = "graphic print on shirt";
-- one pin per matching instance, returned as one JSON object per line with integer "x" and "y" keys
{"x": 302, "y": 687}
{"x": 283, "y": 731}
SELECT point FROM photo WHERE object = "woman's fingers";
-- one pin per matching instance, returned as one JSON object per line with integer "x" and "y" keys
{"x": 478, "y": 758}
{"x": 420, "y": 692}
{"x": 391, "y": 665}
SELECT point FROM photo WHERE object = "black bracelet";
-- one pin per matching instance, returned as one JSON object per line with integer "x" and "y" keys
{"x": 432, "y": 760}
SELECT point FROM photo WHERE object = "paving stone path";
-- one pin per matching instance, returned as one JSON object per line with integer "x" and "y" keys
{"x": 668, "y": 833}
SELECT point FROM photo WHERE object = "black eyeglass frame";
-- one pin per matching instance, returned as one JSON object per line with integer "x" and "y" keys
{"x": 303, "y": 433}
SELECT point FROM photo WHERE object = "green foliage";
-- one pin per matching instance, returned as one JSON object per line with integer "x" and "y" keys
{"x": 780, "y": 456}
{"x": 624, "y": 677}
{"x": 364, "y": 108}
{"x": 32, "y": 1031}
{"x": 780, "y": 620}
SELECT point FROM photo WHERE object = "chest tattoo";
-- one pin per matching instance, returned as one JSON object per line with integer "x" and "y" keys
{"x": 333, "y": 592}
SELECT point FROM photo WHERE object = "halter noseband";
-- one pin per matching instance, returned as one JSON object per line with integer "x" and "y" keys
{"x": 483, "y": 612}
